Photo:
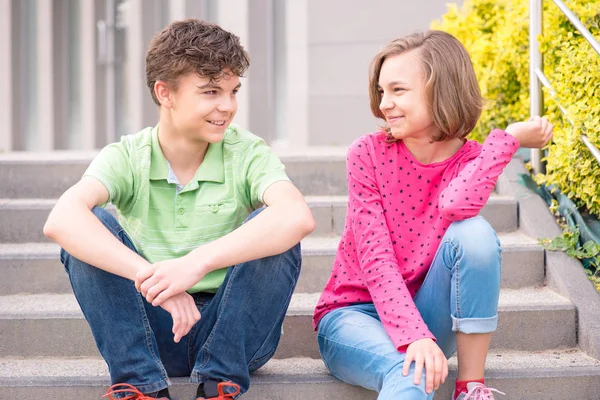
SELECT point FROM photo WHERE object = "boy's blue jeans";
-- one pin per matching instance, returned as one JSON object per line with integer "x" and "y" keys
{"x": 460, "y": 293}
{"x": 238, "y": 332}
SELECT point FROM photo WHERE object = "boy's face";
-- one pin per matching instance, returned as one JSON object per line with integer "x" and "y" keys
{"x": 404, "y": 97}
{"x": 203, "y": 109}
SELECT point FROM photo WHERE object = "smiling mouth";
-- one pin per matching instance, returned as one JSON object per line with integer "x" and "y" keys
{"x": 217, "y": 123}
{"x": 395, "y": 118}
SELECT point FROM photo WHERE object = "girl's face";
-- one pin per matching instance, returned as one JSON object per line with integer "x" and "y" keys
{"x": 404, "y": 99}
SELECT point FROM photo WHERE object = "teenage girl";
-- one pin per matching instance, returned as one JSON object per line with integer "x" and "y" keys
{"x": 416, "y": 275}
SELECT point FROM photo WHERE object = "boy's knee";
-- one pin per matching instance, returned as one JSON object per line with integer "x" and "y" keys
{"x": 290, "y": 261}
{"x": 64, "y": 255}
{"x": 254, "y": 214}
{"x": 103, "y": 215}
{"x": 109, "y": 221}
{"x": 296, "y": 253}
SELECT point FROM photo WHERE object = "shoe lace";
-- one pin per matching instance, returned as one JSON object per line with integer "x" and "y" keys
{"x": 225, "y": 396}
{"x": 126, "y": 388}
{"x": 481, "y": 392}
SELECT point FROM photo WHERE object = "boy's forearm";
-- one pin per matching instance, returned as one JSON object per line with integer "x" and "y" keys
{"x": 274, "y": 231}
{"x": 79, "y": 232}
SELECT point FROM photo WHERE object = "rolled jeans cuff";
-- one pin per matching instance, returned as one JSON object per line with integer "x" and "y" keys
{"x": 475, "y": 325}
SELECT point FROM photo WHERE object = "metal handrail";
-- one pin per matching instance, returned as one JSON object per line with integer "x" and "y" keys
{"x": 591, "y": 147}
{"x": 536, "y": 76}
{"x": 577, "y": 23}
{"x": 547, "y": 85}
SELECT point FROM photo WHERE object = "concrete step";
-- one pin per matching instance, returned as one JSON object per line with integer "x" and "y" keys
{"x": 552, "y": 375}
{"x": 522, "y": 261}
{"x": 330, "y": 213}
{"x": 35, "y": 267}
{"x": 315, "y": 171}
{"x": 47, "y": 325}
{"x": 532, "y": 312}
{"x": 22, "y": 220}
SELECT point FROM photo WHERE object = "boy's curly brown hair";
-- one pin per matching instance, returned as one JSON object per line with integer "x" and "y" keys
{"x": 197, "y": 46}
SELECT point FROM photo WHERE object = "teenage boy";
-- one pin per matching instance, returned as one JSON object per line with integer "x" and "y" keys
{"x": 190, "y": 239}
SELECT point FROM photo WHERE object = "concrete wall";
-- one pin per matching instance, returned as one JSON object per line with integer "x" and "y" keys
{"x": 343, "y": 37}
{"x": 307, "y": 84}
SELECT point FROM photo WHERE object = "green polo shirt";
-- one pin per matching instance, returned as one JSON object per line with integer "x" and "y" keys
{"x": 166, "y": 220}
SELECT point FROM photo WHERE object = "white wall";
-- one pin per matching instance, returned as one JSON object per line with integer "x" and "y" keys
{"x": 343, "y": 37}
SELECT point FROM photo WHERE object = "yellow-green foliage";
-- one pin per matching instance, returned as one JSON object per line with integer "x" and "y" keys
{"x": 496, "y": 35}
{"x": 573, "y": 68}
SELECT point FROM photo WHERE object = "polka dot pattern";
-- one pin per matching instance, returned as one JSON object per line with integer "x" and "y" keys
{"x": 398, "y": 212}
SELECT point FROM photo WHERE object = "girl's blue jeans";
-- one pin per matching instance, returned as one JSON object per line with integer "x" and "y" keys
{"x": 460, "y": 293}
{"x": 238, "y": 332}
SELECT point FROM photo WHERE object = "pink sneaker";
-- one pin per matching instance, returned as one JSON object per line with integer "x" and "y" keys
{"x": 477, "y": 391}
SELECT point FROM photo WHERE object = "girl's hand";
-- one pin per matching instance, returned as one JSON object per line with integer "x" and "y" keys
{"x": 426, "y": 353}
{"x": 535, "y": 133}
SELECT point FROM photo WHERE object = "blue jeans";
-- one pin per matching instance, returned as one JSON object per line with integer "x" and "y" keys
{"x": 460, "y": 293}
{"x": 238, "y": 332}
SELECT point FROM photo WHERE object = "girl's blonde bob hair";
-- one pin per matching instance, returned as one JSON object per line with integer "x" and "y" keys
{"x": 452, "y": 90}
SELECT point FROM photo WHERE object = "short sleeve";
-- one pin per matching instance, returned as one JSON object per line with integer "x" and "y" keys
{"x": 262, "y": 169}
{"x": 113, "y": 168}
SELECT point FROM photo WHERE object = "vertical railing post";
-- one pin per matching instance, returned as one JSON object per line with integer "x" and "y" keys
{"x": 6, "y": 76}
{"x": 535, "y": 61}
{"x": 109, "y": 54}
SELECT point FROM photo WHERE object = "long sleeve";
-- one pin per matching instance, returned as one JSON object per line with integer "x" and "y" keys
{"x": 378, "y": 263}
{"x": 469, "y": 191}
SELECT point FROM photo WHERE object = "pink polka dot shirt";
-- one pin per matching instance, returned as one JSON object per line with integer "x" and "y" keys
{"x": 398, "y": 212}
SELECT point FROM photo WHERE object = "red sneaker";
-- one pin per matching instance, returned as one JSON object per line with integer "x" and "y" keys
{"x": 222, "y": 395}
{"x": 127, "y": 388}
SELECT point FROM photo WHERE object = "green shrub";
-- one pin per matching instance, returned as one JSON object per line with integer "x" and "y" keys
{"x": 573, "y": 68}
{"x": 496, "y": 34}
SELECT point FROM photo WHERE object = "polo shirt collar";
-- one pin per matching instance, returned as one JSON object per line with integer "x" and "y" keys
{"x": 212, "y": 168}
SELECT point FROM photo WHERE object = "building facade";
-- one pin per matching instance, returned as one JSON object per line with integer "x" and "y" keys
{"x": 74, "y": 69}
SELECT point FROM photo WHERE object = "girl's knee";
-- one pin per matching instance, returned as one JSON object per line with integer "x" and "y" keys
{"x": 476, "y": 238}
{"x": 472, "y": 229}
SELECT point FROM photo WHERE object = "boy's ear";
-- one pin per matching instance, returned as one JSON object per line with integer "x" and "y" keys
{"x": 163, "y": 94}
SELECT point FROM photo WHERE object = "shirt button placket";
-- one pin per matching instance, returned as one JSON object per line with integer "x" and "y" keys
{"x": 181, "y": 211}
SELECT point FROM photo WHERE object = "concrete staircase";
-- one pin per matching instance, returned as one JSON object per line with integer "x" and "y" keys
{"x": 47, "y": 351}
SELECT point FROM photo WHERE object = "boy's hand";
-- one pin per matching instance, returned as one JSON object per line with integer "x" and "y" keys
{"x": 426, "y": 353}
{"x": 165, "y": 279}
{"x": 184, "y": 312}
{"x": 535, "y": 133}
